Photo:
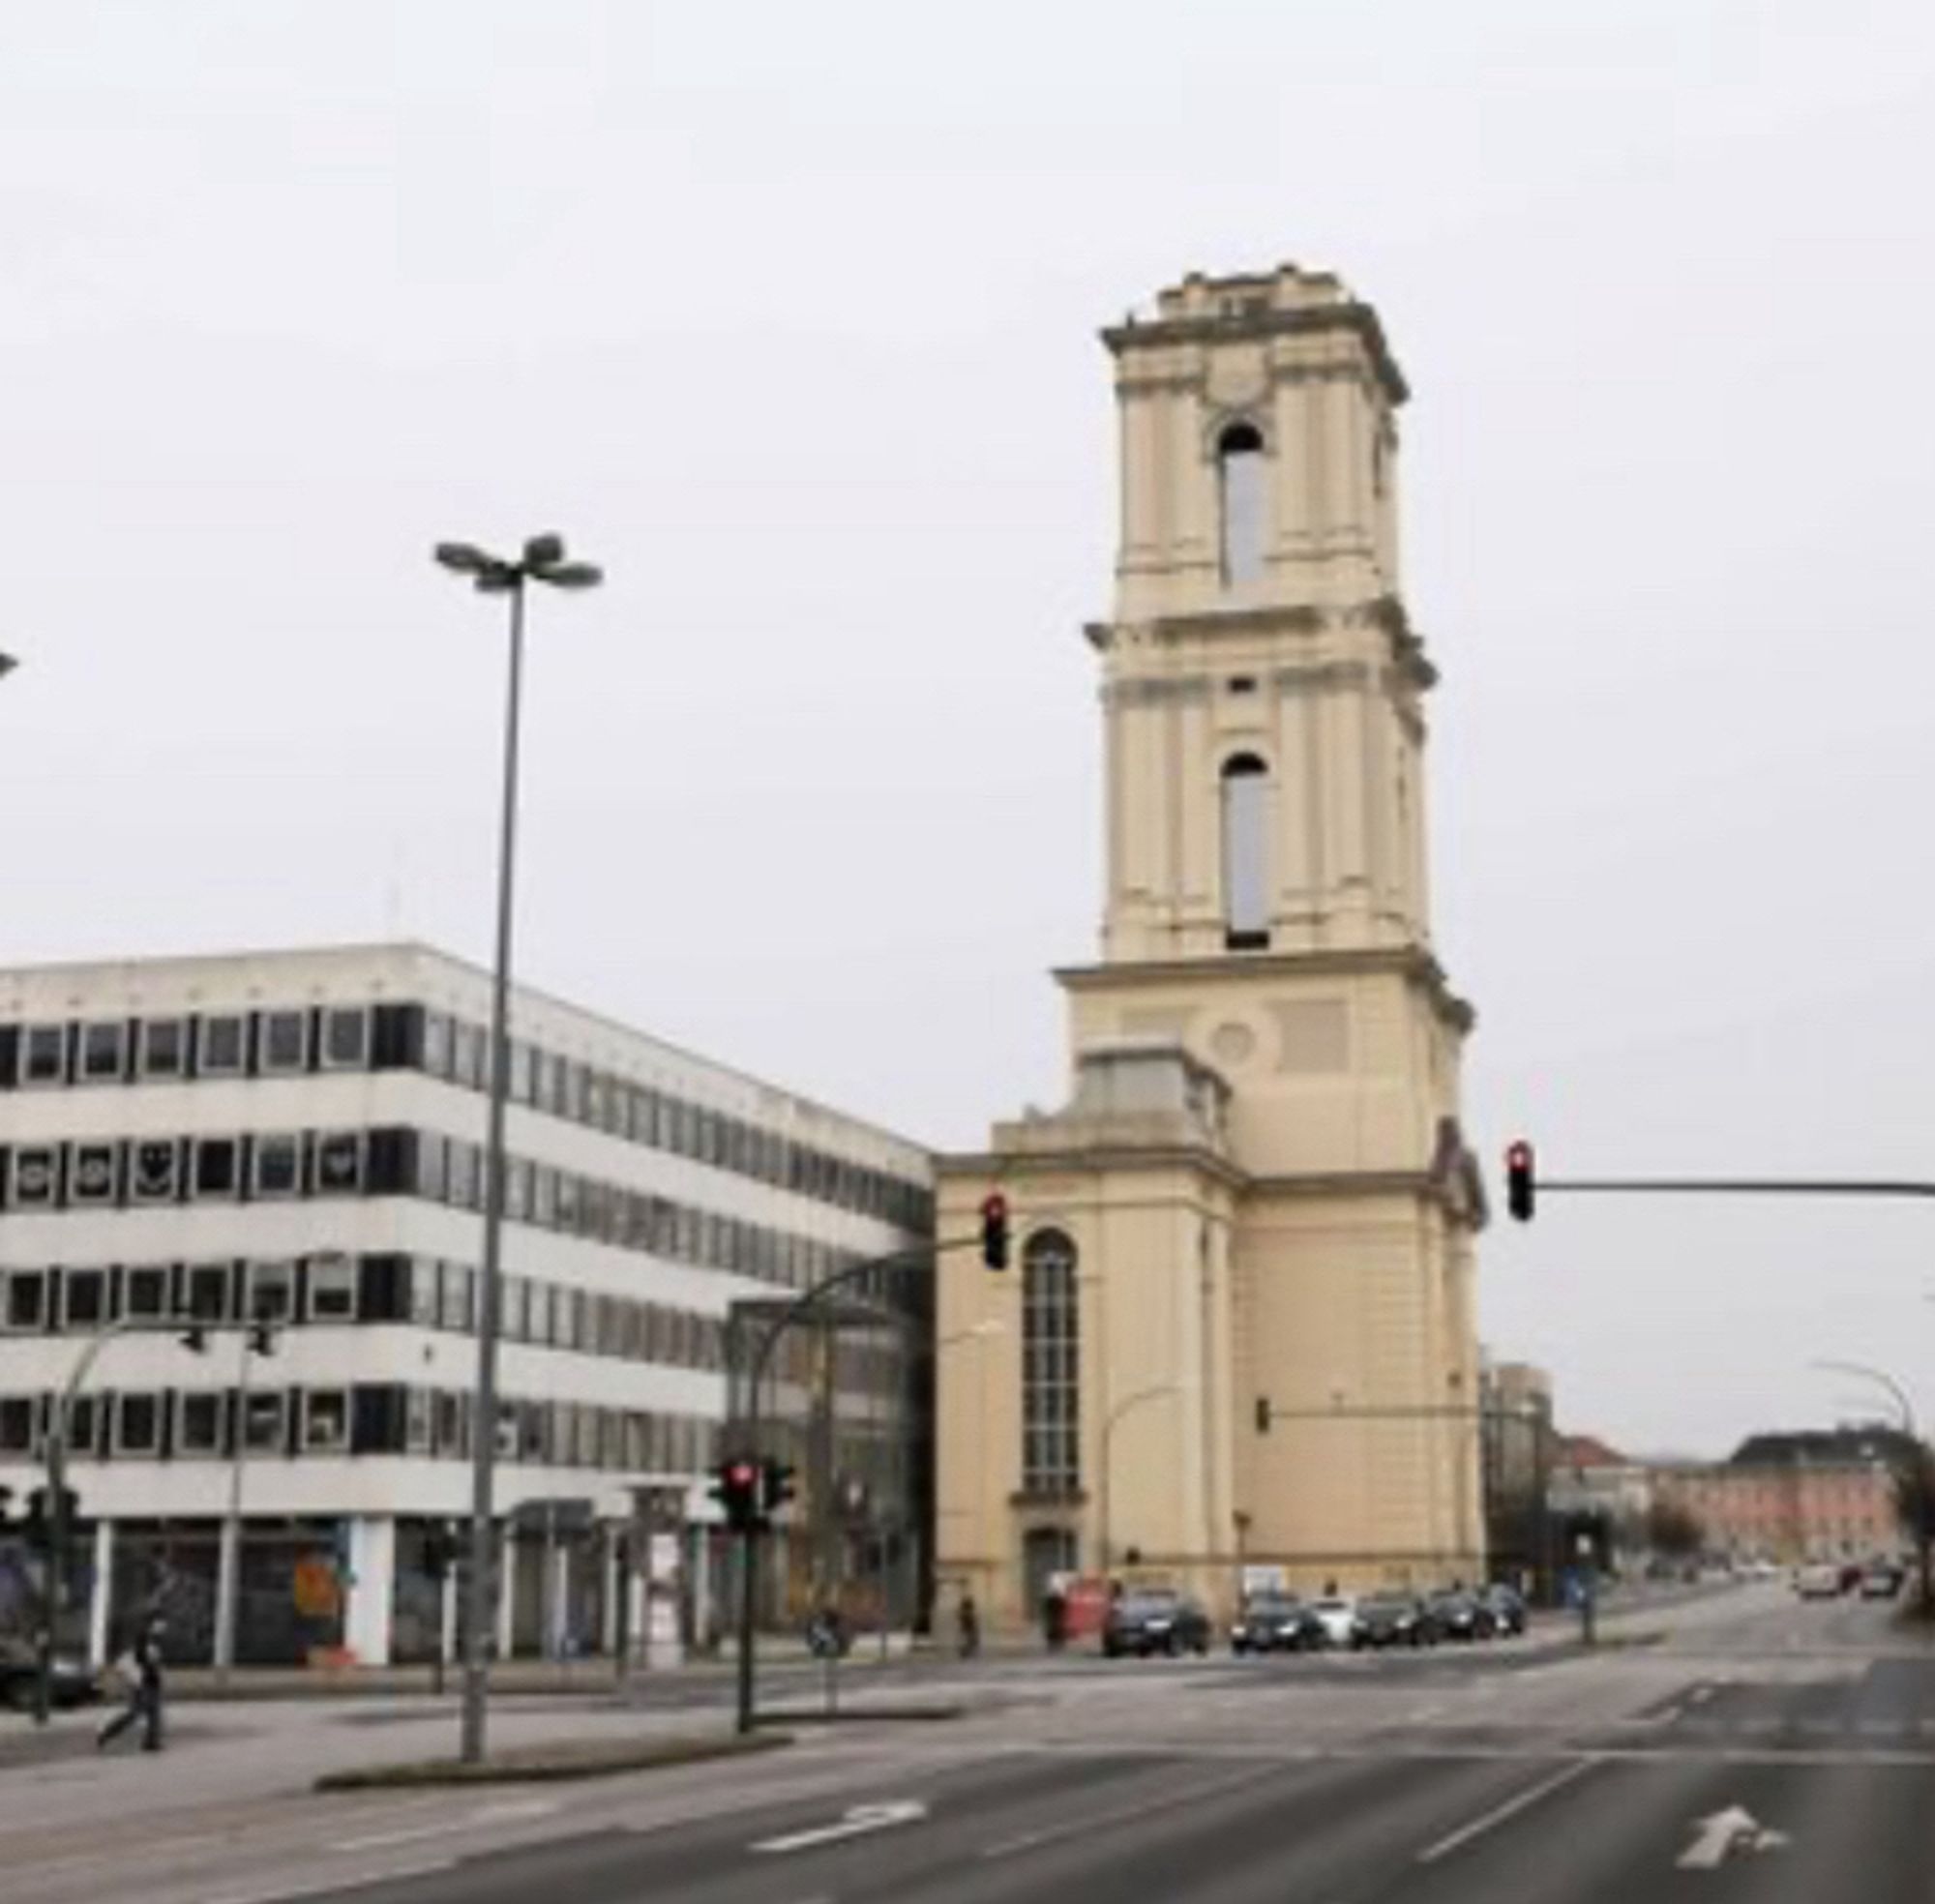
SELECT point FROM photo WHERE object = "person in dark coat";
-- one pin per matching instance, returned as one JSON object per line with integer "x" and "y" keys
{"x": 142, "y": 1664}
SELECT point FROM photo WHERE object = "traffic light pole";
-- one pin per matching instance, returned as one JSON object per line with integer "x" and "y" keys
{"x": 796, "y": 1311}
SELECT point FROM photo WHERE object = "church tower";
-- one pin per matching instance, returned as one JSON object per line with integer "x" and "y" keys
{"x": 1240, "y": 1332}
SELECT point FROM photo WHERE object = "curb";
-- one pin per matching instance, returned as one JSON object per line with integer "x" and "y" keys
{"x": 537, "y": 1764}
{"x": 858, "y": 1716}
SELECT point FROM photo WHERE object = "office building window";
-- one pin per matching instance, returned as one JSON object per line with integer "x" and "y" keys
{"x": 332, "y": 1289}
{"x": 92, "y": 1173}
{"x": 83, "y": 1299}
{"x": 144, "y": 1291}
{"x": 1241, "y": 496}
{"x": 419, "y": 1421}
{"x": 345, "y": 1038}
{"x": 266, "y": 1421}
{"x": 34, "y": 1173}
{"x": 205, "y": 1290}
{"x": 43, "y": 1055}
{"x": 284, "y": 1041}
{"x": 225, "y": 1046}
{"x": 104, "y": 1053}
{"x": 436, "y": 1043}
{"x": 154, "y": 1172}
{"x": 272, "y": 1292}
{"x": 137, "y": 1424}
{"x": 277, "y": 1165}
{"x": 339, "y": 1163}
{"x": 26, "y": 1307}
{"x": 326, "y": 1420}
{"x": 466, "y": 1175}
{"x": 1050, "y": 1375}
{"x": 199, "y": 1423}
{"x": 16, "y": 1424}
{"x": 164, "y": 1052}
{"x": 218, "y": 1166}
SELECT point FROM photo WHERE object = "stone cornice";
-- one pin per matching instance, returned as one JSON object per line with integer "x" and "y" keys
{"x": 1090, "y": 1159}
{"x": 1409, "y": 962}
{"x": 1259, "y": 323}
{"x": 1385, "y": 612}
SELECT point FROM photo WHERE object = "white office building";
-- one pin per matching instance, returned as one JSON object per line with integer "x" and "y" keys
{"x": 297, "y": 1136}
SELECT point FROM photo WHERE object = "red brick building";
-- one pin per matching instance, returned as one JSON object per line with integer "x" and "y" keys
{"x": 1788, "y": 1510}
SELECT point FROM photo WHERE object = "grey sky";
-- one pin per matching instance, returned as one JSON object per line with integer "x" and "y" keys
{"x": 787, "y": 316}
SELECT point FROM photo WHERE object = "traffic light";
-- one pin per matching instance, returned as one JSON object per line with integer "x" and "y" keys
{"x": 1519, "y": 1183}
{"x": 776, "y": 1484}
{"x": 995, "y": 1230}
{"x": 37, "y": 1528}
{"x": 439, "y": 1549}
{"x": 737, "y": 1492}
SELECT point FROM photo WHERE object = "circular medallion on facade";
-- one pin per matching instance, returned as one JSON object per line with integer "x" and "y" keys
{"x": 1232, "y": 1044}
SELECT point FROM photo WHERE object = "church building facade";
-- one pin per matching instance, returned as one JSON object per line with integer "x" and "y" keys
{"x": 1237, "y": 1338}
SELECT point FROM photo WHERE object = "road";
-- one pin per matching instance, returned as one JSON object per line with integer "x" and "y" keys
{"x": 1743, "y": 1746}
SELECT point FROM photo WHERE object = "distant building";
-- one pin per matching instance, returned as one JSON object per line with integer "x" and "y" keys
{"x": 1516, "y": 1441}
{"x": 1826, "y": 1495}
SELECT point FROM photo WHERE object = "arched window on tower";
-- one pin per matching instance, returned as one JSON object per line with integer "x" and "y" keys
{"x": 1240, "y": 496}
{"x": 1050, "y": 1367}
{"x": 1245, "y": 852}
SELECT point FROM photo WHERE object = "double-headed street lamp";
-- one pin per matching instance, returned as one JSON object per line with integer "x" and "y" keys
{"x": 543, "y": 560}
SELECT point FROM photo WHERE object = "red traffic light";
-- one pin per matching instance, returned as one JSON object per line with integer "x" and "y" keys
{"x": 995, "y": 1230}
{"x": 1520, "y": 1182}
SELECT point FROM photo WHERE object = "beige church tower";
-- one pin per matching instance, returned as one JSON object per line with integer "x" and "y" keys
{"x": 1238, "y": 1329}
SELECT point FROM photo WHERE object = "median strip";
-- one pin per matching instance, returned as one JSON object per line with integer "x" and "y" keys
{"x": 536, "y": 1763}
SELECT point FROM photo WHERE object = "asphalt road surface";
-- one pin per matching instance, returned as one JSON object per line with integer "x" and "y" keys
{"x": 1747, "y": 1746}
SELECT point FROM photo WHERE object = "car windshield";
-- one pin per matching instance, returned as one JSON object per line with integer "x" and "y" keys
{"x": 1386, "y": 1603}
{"x": 1272, "y": 1606}
{"x": 1139, "y": 1606}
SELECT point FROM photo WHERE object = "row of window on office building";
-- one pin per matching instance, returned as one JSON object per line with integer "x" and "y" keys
{"x": 355, "y": 1419}
{"x": 109, "y": 1173}
{"x": 332, "y": 1288}
{"x": 292, "y": 1041}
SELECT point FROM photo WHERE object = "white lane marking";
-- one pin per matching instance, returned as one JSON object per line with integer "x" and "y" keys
{"x": 1512, "y": 1806}
{"x": 1721, "y": 1833}
{"x": 859, "y": 1819}
{"x": 1418, "y": 1714}
{"x": 317, "y": 1887}
{"x": 1700, "y": 1695}
{"x": 492, "y": 1814}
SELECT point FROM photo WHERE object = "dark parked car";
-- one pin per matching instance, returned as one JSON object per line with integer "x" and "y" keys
{"x": 1154, "y": 1619}
{"x": 1385, "y": 1620}
{"x": 73, "y": 1683}
{"x": 1506, "y": 1607}
{"x": 1276, "y": 1622}
{"x": 1462, "y": 1615}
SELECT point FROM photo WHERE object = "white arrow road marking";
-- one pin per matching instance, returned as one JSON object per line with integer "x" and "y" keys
{"x": 859, "y": 1819}
{"x": 1721, "y": 1833}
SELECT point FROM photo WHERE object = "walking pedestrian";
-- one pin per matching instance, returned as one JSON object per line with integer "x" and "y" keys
{"x": 969, "y": 1618}
{"x": 142, "y": 1668}
{"x": 1055, "y": 1617}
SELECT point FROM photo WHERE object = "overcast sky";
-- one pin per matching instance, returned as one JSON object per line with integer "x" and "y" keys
{"x": 787, "y": 316}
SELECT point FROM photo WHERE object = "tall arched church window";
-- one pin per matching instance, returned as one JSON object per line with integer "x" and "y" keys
{"x": 1245, "y": 852}
{"x": 1051, "y": 1366}
{"x": 1239, "y": 482}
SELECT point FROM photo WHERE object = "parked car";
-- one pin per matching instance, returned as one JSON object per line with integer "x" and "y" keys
{"x": 1335, "y": 1613}
{"x": 1461, "y": 1615}
{"x": 73, "y": 1683}
{"x": 1276, "y": 1622}
{"x": 1507, "y": 1608}
{"x": 1821, "y": 1581}
{"x": 1385, "y": 1620}
{"x": 1880, "y": 1580}
{"x": 1152, "y": 1620}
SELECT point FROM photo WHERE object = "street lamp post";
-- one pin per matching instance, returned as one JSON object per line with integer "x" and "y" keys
{"x": 1905, "y": 1409}
{"x": 543, "y": 560}
{"x": 1108, "y": 1422}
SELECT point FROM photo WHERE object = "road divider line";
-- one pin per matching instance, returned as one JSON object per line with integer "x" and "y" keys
{"x": 1510, "y": 1808}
